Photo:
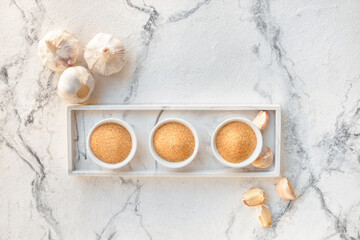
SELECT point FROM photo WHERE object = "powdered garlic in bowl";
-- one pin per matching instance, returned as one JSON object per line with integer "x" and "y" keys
{"x": 174, "y": 143}
{"x": 237, "y": 142}
{"x": 111, "y": 143}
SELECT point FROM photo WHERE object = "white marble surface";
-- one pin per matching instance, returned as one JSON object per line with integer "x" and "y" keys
{"x": 304, "y": 55}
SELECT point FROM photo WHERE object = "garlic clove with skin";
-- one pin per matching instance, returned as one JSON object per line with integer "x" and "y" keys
{"x": 76, "y": 85}
{"x": 284, "y": 189}
{"x": 105, "y": 54}
{"x": 261, "y": 120}
{"x": 58, "y": 50}
{"x": 254, "y": 197}
{"x": 265, "y": 160}
{"x": 264, "y": 216}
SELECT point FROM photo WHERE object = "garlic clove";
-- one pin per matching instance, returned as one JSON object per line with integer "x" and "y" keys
{"x": 264, "y": 216}
{"x": 254, "y": 197}
{"x": 265, "y": 160}
{"x": 284, "y": 189}
{"x": 105, "y": 54}
{"x": 261, "y": 120}
{"x": 58, "y": 50}
{"x": 76, "y": 85}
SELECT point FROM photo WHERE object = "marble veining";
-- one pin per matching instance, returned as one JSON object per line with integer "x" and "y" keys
{"x": 303, "y": 55}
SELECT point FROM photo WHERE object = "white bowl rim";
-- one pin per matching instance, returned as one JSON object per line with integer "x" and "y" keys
{"x": 253, "y": 156}
{"x": 133, "y": 141}
{"x": 163, "y": 161}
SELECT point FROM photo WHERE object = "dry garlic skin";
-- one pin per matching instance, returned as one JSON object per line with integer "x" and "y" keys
{"x": 105, "y": 54}
{"x": 58, "y": 50}
{"x": 76, "y": 85}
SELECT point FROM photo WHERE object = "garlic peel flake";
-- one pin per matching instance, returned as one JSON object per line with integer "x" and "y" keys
{"x": 58, "y": 50}
{"x": 76, "y": 85}
{"x": 105, "y": 54}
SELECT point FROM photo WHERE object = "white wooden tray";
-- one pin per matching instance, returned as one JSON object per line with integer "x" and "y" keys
{"x": 142, "y": 118}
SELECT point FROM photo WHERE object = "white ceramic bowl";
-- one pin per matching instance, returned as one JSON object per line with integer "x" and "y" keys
{"x": 253, "y": 156}
{"x": 132, "y": 151}
{"x": 163, "y": 161}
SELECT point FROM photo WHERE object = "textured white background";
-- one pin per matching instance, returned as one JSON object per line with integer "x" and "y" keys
{"x": 304, "y": 55}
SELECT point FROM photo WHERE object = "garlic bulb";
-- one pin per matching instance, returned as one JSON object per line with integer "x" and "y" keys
{"x": 76, "y": 84}
{"x": 105, "y": 54}
{"x": 58, "y": 50}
